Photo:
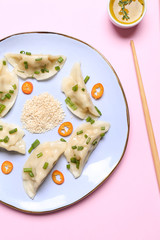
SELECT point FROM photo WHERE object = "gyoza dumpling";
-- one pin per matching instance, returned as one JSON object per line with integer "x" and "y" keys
{"x": 78, "y": 100}
{"x": 49, "y": 153}
{"x": 81, "y": 144}
{"x": 37, "y": 66}
{"x": 11, "y": 137}
{"x": 8, "y": 88}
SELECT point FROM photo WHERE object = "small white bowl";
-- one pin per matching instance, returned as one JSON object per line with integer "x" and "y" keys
{"x": 121, "y": 25}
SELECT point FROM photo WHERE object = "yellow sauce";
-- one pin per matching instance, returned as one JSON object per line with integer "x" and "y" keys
{"x": 132, "y": 12}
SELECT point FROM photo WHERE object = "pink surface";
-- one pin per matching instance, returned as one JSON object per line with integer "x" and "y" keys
{"x": 127, "y": 205}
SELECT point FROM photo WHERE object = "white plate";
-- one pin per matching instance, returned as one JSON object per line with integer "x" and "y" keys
{"x": 113, "y": 106}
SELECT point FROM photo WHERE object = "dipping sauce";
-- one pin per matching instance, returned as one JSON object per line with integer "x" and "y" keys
{"x": 126, "y": 11}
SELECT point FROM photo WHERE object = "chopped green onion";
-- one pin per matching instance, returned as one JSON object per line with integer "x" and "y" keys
{"x": 60, "y": 59}
{"x": 3, "y": 98}
{"x": 94, "y": 142}
{"x": 26, "y": 65}
{"x": 85, "y": 136}
{"x": 22, "y": 52}
{"x": 8, "y": 95}
{"x": 43, "y": 70}
{"x": 74, "y": 147}
{"x": 6, "y": 139}
{"x": 73, "y": 160}
{"x": 70, "y": 104}
{"x": 1, "y": 127}
{"x": 13, "y": 131}
{"x": 45, "y": 165}
{"x": 34, "y": 145}
{"x": 62, "y": 140}
{"x": 80, "y": 148}
{"x": 75, "y": 88}
{"x": 80, "y": 132}
{"x": 31, "y": 174}
{"x": 68, "y": 166}
{"x": 38, "y": 59}
{"x": 39, "y": 155}
{"x": 14, "y": 86}
{"x": 37, "y": 72}
{"x": 103, "y": 128}
{"x": 27, "y": 169}
{"x": 89, "y": 119}
{"x": 28, "y": 53}
{"x": 98, "y": 110}
{"x": 88, "y": 140}
{"x": 2, "y": 107}
{"x": 86, "y": 79}
{"x": 1, "y": 92}
{"x": 92, "y": 121}
{"x": 77, "y": 164}
{"x": 4, "y": 63}
{"x": 1, "y": 140}
{"x": 102, "y": 134}
{"x": 83, "y": 89}
{"x": 57, "y": 68}
{"x": 11, "y": 91}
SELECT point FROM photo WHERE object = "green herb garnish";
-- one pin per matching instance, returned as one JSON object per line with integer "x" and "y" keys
{"x": 103, "y": 128}
{"x": 4, "y": 62}
{"x": 11, "y": 91}
{"x": 1, "y": 127}
{"x": 74, "y": 147}
{"x": 13, "y": 131}
{"x": 22, "y": 52}
{"x": 60, "y": 59}
{"x": 70, "y": 103}
{"x": 34, "y": 145}
{"x": 6, "y": 139}
{"x": 37, "y": 72}
{"x": 88, "y": 140}
{"x": 86, "y": 79}
{"x": 68, "y": 166}
{"x": 14, "y": 86}
{"x": 28, "y": 53}
{"x": 57, "y": 68}
{"x": 99, "y": 112}
{"x": 26, "y": 65}
{"x": 79, "y": 132}
{"x": 75, "y": 88}
{"x": 62, "y": 140}
{"x": 39, "y": 155}
{"x": 2, "y": 107}
{"x": 94, "y": 142}
{"x": 38, "y": 59}
{"x": 45, "y": 165}
{"x": 122, "y": 4}
{"x": 80, "y": 148}
{"x": 7, "y": 95}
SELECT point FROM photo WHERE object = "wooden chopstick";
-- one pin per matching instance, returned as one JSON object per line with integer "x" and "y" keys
{"x": 151, "y": 137}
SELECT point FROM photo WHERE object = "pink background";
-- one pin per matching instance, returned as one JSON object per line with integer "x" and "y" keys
{"x": 127, "y": 205}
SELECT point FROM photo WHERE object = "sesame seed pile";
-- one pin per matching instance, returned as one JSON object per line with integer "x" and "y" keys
{"x": 42, "y": 113}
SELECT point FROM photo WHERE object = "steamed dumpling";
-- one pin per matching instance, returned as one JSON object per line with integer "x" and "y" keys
{"x": 11, "y": 137}
{"x": 37, "y": 66}
{"x": 79, "y": 101}
{"x": 8, "y": 88}
{"x": 49, "y": 152}
{"x": 81, "y": 144}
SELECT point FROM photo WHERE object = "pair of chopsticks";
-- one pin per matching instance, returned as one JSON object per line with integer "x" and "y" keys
{"x": 151, "y": 137}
